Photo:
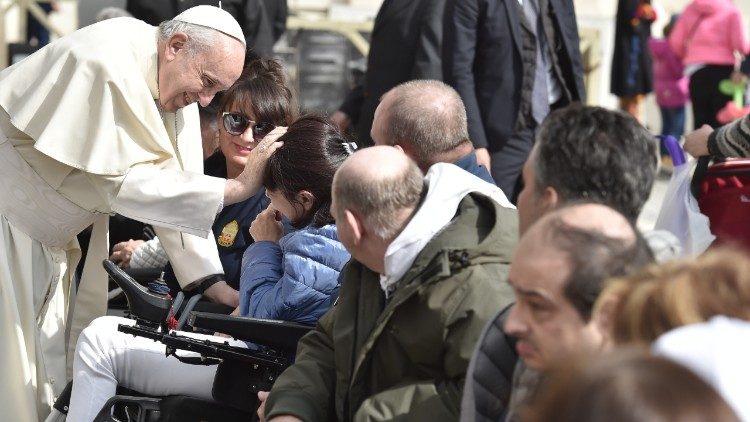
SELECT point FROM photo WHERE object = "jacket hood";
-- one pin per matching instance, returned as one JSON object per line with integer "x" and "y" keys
{"x": 447, "y": 185}
{"x": 709, "y": 7}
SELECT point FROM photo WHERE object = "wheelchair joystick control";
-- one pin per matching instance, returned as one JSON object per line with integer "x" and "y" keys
{"x": 149, "y": 309}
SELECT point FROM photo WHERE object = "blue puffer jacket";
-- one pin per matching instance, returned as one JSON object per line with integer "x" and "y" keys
{"x": 294, "y": 279}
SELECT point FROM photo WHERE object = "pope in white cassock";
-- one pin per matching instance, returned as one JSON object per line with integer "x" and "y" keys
{"x": 104, "y": 120}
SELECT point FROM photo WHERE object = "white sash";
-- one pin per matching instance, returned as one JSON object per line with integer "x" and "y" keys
{"x": 31, "y": 204}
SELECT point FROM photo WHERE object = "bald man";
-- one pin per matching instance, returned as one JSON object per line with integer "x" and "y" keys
{"x": 557, "y": 273}
{"x": 427, "y": 120}
{"x": 430, "y": 259}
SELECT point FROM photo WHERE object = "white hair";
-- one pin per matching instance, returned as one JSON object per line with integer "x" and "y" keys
{"x": 200, "y": 38}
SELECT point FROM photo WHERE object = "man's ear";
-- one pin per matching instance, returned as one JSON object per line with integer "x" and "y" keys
{"x": 306, "y": 198}
{"x": 550, "y": 198}
{"x": 602, "y": 318}
{"x": 174, "y": 44}
{"x": 355, "y": 226}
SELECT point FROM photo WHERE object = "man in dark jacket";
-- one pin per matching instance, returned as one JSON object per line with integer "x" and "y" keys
{"x": 511, "y": 61}
{"x": 426, "y": 119}
{"x": 277, "y": 12}
{"x": 557, "y": 273}
{"x": 582, "y": 154}
{"x": 250, "y": 14}
{"x": 430, "y": 259}
{"x": 405, "y": 44}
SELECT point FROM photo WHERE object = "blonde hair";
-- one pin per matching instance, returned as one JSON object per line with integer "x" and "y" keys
{"x": 662, "y": 297}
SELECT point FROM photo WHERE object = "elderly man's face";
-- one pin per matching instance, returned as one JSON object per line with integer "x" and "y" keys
{"x": 546, "y": 323}
{"x": 185, "y": 78}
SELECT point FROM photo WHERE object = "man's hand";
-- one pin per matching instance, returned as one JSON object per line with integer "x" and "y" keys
{"x": 341, "y": 119}
{"x": 696, "y": 142}
{"x": 483, "y": 157}
{"x": 221, "y": 292}
{"x": 123, "y": 251}
{"x": 250, "y": 180}
{"x": 262, "y": 396}
{"x": 267, "y": 226}
{"x": 738, "y": 77}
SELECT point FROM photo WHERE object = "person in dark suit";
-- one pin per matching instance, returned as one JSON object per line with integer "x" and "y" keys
{"x": 632, "y": 66}
{"x": 277, "y": 12}
{"x": 511, "y": 61}
{"x": 250, "y": 14}
{"x": 405, "y": 45}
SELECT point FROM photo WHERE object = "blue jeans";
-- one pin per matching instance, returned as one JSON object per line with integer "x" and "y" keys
{"x": 672, "y": 123}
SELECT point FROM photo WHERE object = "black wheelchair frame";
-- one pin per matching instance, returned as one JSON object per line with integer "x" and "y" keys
{"x": 241, "y": 373}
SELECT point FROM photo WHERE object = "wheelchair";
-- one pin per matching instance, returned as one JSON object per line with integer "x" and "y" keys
{"x": 241, "y": 372}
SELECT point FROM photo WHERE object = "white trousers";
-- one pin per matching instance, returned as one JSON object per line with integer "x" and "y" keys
{"x": 105, "y": 358}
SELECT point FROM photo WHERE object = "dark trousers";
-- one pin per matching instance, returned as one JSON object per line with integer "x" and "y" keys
{"x": 672, "y": 123}
{"x": 507, "y": 162}
{"x": 705, "y": 95}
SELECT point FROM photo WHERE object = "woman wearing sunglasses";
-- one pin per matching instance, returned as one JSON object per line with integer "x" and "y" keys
{"x": 293, "y": 277}
{"x": 258, "y": 102}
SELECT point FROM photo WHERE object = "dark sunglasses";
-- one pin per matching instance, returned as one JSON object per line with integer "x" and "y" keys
{"x": 236, "y": 124}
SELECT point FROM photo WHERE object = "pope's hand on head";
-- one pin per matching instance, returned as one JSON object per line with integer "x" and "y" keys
{"x": 266, "y": 147}
{"x": 258, "y": 158}
{"x": 267, "y": 227}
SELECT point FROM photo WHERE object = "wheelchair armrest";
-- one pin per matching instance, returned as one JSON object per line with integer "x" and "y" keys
{"x": 146, "y": 306}
{"x": 275, "y": 334}
{"x": 144, "y": 275}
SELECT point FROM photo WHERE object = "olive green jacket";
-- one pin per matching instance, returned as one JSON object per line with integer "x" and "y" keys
{"x": 405, "y": 358}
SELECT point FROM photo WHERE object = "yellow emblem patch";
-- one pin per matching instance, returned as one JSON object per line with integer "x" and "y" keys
{"x": 228, "y": 233}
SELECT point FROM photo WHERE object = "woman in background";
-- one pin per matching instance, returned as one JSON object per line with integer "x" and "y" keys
{"x": 707, "y": 37}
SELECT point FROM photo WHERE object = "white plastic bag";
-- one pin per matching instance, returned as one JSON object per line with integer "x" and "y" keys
{"x": 681, "y": 216}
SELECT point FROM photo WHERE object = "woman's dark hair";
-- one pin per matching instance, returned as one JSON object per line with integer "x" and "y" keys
{"x": 313, "y": 150}
{"x": 262, "y": 87}
{"x": 626, "y": 385}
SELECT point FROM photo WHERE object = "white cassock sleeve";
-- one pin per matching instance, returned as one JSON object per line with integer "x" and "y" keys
{"x": 182, "y": 207}
{"x": 193, "y": 258}
{"x": 174, "y": 199}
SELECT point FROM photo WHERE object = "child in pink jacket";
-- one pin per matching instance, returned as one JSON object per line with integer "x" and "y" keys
{"x": 670, "y": 85}
{"x": 706, "y": 37}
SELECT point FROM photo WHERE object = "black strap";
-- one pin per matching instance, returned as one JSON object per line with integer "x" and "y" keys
{"x": 698, "y": 175}
{"x": 210, "y": 281}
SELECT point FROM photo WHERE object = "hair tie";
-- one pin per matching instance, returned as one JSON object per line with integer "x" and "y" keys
{"x": 349, "y": 147}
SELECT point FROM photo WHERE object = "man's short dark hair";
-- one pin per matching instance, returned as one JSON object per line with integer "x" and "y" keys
{"x": 594, "y": 258}
{"x": 596, "y": 155}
